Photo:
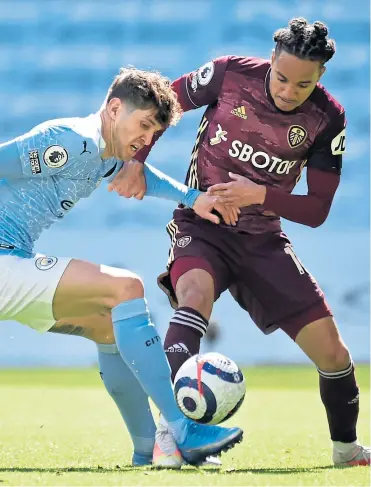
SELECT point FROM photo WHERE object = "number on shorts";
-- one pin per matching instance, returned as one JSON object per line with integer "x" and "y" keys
{"x": 291, "y": 253}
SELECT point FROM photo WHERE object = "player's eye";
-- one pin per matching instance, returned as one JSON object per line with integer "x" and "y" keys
{"x": 145, "y": 126}
{"x": 282, "y": 80}
{"x": 303, "y": 86}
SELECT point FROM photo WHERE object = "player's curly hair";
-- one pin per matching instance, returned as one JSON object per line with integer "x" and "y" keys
{"x": 305, "y": 41}
{"x": 144, "y": 90}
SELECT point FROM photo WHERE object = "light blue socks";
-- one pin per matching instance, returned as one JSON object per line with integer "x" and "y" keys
{"x": 141, "y": 348}
{"x": 129, "y": 397}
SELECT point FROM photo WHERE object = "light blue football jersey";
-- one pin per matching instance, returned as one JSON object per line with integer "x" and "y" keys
{"x": 44, "y": 174}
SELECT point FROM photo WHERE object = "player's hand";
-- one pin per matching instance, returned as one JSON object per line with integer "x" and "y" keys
{"x": 229, "y": 213}
{"x": 204, "y": 205}
{"x": 130, "y": 180}
{"x": 239, "y": 192}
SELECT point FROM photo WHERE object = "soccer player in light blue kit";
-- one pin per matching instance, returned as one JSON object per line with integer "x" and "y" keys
{"x": 42, "y": 176}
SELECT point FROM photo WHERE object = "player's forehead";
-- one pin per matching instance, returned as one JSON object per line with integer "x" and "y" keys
{"x": 295, "y": 69}
{"x": 149, "y": 116}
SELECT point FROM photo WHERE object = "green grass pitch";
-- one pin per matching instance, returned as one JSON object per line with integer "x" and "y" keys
{"x": 59, "y": 427}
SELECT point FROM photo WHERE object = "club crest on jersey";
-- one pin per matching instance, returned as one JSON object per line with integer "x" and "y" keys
{"x": 183, "y": 242}
{"x": 296, "y": 136}
{"x": 45, "y": 263}
{"x": 55, "y": 156}
{"x": 205, "y": 73}
{"x": 220, "y": 135}
{"x": 239, "y": 112}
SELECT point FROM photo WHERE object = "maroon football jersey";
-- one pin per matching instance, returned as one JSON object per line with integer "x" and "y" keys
{"x": 243, "y": 132}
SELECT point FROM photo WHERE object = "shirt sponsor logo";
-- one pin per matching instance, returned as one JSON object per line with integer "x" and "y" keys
{"x": 296, "y": 135}
{"x": 220, "y": 135}
{"x": 33, "y": 157}
{"x": 239, "y": 112}
{"x": 338, "y": 144}
{"x": 55, "y": 156}
{"x": 260, "y": 159}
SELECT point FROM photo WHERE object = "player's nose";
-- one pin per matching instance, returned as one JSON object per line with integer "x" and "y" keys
{"x": 147, "y": 137}
{"x": 289, "y": 93}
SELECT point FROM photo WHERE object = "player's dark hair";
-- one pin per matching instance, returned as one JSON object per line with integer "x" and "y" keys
{"x": 145, "y": 90}
{"x": 305, "y": 41}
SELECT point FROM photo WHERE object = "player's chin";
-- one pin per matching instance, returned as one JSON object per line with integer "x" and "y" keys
{"x": 285, "y": 107}
{"x": 126, "y": 155}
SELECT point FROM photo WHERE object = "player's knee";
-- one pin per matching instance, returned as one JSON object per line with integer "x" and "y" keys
{"x": 336, "y": 358}
{"x": 123, "y": 287}
{"x": 192, "y": 295}
{"x": 126, "y": 289}
{"x": 103, "y": 334}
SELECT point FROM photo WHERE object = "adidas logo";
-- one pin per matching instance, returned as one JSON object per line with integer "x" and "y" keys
{"x": 239, "y": 112}
{"x": 355, "y": 400}
{"x": 178, "y": 348}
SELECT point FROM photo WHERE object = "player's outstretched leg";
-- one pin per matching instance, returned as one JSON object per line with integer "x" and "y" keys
{"x": 119, "y": 381}
{"x": 195, "y": 295}
{"x": 321, "y": 341}
{"x": 85, "y": 290}
{"x": 131, "y": 400}
{"x": 141, "y": 348}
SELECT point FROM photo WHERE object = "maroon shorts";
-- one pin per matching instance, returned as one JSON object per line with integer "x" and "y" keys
{"x": 261, "y": 272}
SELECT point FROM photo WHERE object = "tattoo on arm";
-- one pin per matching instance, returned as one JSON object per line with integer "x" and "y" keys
{"x": 68, "y": 330}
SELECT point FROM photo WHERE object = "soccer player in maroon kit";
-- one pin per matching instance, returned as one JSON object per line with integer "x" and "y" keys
{"x": 265, "y": 122}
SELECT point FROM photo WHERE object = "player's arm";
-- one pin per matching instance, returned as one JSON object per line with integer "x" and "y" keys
{"x": 198, "y": 88}
{"x": 311, "y": 209}
{"x": 10, "y": 161}
{"x": 323, "y": 178}
{"x": 42, "y": 152}
{"x": 194, "y": 90}
{"x": 162, "y": 186}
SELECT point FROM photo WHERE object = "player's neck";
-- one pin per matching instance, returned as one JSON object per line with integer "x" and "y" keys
{"x": 107, "y": 134}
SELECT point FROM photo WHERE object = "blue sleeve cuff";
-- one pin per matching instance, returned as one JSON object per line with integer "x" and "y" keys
{"x": 162, "y": 186}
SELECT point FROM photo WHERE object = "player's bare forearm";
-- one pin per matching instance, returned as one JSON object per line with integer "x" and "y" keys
{"x": 240, "y": 192}
{"x": 130, "y": 180}
{"x": 311, "y": 209}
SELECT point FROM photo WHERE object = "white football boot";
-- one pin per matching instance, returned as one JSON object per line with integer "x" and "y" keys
{"x": 352, "y": 456}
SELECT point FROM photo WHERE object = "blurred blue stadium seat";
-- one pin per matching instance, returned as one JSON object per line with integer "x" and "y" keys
{"x": 57, "y": 59}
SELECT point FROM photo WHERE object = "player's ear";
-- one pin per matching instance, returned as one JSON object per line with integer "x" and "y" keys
{"x": 273, "y": 57}
{"x": 322, "y": 70}
{"x": 113, "y": 108}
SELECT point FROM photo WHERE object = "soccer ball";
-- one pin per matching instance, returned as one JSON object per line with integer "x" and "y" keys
{"x": 209, "y": 388}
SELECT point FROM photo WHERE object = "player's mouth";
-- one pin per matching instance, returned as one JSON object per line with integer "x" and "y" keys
{"x": 286, "y": 102}
{"x": 134, "y": 147}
